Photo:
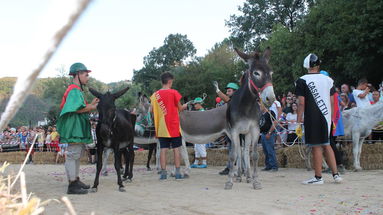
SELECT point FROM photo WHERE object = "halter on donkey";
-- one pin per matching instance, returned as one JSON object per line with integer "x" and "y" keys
{"x": 114, "y": 130}
{"x": 243, "y": 113}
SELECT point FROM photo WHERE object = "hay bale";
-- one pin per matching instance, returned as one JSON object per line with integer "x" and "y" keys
{"x": 12, "y": 157}
{"x": 293, "y": 158}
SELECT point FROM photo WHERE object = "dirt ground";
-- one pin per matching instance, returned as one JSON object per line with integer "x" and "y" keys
{"x": 203, "y": 193}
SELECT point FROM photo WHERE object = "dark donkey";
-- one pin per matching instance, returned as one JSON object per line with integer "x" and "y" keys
{"x": 114, "y": 130}
{"x": 243, "y": 112}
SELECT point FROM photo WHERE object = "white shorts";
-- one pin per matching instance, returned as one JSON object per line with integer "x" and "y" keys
{"x": 200, "y": 150}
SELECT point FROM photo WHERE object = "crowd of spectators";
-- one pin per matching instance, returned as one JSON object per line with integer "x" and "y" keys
{"x": 285, "y": 106}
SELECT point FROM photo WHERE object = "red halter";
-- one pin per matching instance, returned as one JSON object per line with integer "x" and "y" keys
{"x": 258, "y": 90}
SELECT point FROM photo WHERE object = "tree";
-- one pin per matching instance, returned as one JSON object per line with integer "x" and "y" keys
{"x": 175, "y": 50}
{"x": 348, "y": 36}
{"x": 258, "y": 18}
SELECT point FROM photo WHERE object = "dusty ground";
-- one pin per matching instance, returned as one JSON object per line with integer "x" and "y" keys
{"x": 203, "y": 193}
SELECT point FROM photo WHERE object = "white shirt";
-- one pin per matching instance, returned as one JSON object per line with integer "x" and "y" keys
{"x": 292, "y": 125}
{"x": 360, "y": 102}
{"x": 274, "y": 107}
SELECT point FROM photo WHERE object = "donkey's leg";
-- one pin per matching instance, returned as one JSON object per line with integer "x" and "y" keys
{"x": 239, "y": 164}
{"x": 117, "y": 166}
{"x": 246, "y": 156}
{"x": 185, "y": 156}
{"x": 131, "y": 155}
{"x": 233, "y": 157}
{"x": 255, "y": 137}
{"x": 355, "y": 150}
{"x": 152, "y": 147}
{"x": 125, "y": 153}
{"x": 99, "y": 150}
{"x": 360, "y": 151}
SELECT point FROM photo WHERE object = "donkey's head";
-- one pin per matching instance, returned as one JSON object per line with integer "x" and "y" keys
{"x": 143, "y": 104}
{"x": 258, "y": 76}
{"x": 107, "y": 109}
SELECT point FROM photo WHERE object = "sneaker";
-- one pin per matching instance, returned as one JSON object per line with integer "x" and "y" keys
{"x": 74, "y": 188}
{"x": 266, "y": 169}
{"x": 225, "y": 171}
{"x": 164, "y": 175}
{"x": 313, "y": 181}
{"x": 179, "y": 176}
{"x": 202, "y": 166}
{"x": 338, "y": 179}
{"x": 274, "y": 170}
{"x": 194, "y": 166}
{"x": 81, "y": 184}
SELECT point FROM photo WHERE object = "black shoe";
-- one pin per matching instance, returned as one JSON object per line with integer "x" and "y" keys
{"x": 266, "y": 169}
{"x": 74, "y": 188}
{"x": 82, "y": 185}
{"x": 225, "y": 171}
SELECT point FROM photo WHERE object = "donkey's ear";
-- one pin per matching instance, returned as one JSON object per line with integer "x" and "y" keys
{"x": 120, "y": 93}
{"x": 95, "y": 92}
{"x": 267, "y": 54}
{"x": 244, "y": 56}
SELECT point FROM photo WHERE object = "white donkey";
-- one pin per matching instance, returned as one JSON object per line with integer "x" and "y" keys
{"x": 358, "y": 123}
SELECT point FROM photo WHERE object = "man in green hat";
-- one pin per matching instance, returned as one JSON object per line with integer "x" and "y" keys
{"x": 199, "y": 149}
{"x": 230, "y": 90}
{"x": 74, "y": 126}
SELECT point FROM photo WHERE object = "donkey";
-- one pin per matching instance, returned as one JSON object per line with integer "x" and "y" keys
{"x": 114, "y": 130}
{"x": 145, "y": 135}
{"x": 358, "y": 124}
{"x": 243, "y": 112}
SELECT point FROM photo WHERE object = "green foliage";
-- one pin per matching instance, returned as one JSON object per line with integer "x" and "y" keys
{"x": 258, "y": 17}
{"x": 176, "y": 49}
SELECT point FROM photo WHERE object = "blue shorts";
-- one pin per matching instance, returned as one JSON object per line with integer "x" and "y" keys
{"x": 170, "y": 142}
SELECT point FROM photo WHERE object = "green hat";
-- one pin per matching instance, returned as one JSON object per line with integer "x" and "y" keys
{"x": 198, "y": 100}
{"x": 232, "y": 85}
{"x": 77, "y": 67}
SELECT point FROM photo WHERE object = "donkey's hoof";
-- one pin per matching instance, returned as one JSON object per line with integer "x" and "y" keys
{"x": 121, "y": 189}
{"x": 248, "y": 180}
{"x": 257, "y": 185}
{"x": 228, "y": 185}
{"x": 128, "y": 180}
{"x": 238, "y": 179}
{"x": 105, "y": 174}
{"x": 148, "y": 169}
{"x": 358, "y": 169}
{"x": 186, "y": 175}
{"x": 93, "y": 190}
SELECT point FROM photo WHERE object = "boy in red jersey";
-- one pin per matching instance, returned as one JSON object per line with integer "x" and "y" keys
{"x": 166, "y": 105}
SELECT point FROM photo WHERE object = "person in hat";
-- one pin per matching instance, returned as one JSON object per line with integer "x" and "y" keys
{"x": 199, "y": 149}
{"x": 315, "y": 93}
{"x": 74, "y": 126}
{"x": 230, "y": 90}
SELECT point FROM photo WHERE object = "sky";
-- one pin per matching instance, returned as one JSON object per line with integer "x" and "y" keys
{"x": 112, "y": 36}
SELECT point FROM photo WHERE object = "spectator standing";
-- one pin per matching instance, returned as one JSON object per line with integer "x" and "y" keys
{"x": 361, "y": 94}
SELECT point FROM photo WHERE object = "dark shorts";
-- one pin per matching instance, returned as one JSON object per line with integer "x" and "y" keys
{"x": 170, "y": 142}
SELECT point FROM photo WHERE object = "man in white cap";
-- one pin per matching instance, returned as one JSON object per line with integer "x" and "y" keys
{"x": 315, "y": 95}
